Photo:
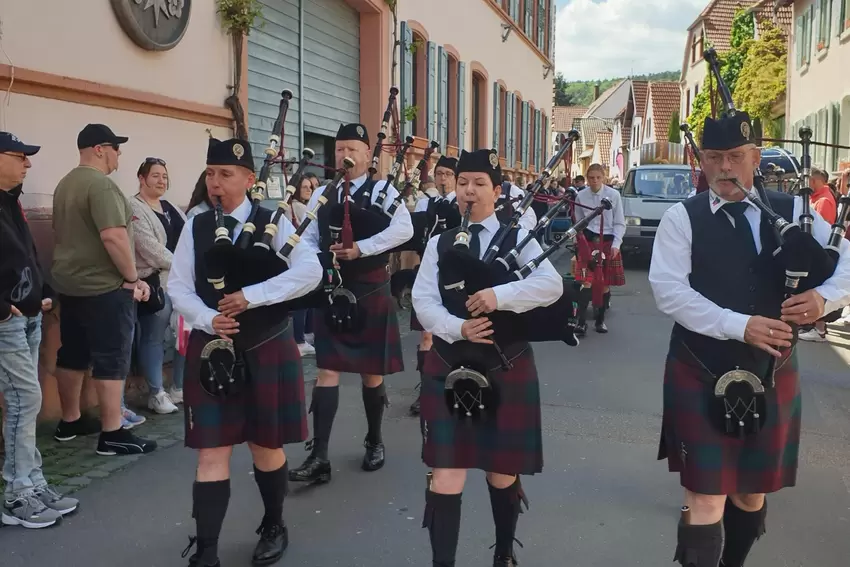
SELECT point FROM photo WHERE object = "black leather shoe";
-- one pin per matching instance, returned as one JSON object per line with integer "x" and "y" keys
{"x": 194, "y": 560}
{"x": 374, "y": 457}
{"x": 581, "y": 329}
{"x": 414, "y": 407}
{"x": 274, "y": 539}
{"x": 509, "y": 561}
{"x": 314, "y": 470}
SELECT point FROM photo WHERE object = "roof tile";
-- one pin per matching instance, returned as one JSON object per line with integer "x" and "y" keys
{"x": 563, "y": 117}
{"x": 666, "y": 97}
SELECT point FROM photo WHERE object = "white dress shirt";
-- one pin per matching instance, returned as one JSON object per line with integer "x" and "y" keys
{"x": 301, "y": 278}
{"x": 613, "y": 221}
{"x": 541, "y": 288}
{"x": 397, "y": 233}
{"x": 671, "y": 266}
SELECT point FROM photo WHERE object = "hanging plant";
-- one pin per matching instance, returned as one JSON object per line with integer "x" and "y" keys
{"x": 238, "y": 18}
{"x": 410, "y": 113}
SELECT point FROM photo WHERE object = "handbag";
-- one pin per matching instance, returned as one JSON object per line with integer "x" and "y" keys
{"x": 156, "y": 301}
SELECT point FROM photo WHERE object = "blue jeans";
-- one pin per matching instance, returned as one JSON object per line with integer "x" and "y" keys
{"x": 301, "y": 321}
{"x": 151, "y": 346}
{"x": 20, "y": 338}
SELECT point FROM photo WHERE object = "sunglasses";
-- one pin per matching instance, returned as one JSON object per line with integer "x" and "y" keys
{"x": 155, "y": 160}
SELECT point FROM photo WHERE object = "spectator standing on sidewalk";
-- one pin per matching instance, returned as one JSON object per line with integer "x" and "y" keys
{"x": 94, "y": 271}
{"x": 24, "y": 294}
{"x": 156, "y": 227}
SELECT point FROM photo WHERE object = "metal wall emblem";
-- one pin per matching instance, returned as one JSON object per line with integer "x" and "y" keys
{"x": 155, "y": 25}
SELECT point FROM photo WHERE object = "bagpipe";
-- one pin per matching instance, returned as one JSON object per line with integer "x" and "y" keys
{"x": 424, "y": 222}
{"x": 233, "y": 266}
{"x": 699, "y": 180}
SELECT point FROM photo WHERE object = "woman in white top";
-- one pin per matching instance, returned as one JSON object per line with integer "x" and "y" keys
{"x": 301, "y": 319}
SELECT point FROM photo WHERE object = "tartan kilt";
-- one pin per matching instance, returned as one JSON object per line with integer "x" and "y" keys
{"x": 511, "y": 442}
{"x": 710, "y": 462}
{"x": 374, "y": 350}
{"x": 415, "y": 325}
{"x": 614, "y": 273}
{"x": 269, "y": 413}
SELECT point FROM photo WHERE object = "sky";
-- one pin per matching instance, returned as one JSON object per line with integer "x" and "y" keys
{"x": 602, "y": 39}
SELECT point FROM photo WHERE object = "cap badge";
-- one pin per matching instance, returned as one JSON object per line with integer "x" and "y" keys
{"x": 360, "y": 131}
{"x": 494, "y": 160}
{"x": 238, "y": 151}
{"x": 14, "y": 138}
{"x": 745, "y": 130}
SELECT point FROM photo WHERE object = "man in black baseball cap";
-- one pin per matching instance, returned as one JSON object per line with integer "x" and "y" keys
{"x": 99, "y": 135}
{"x": 10, "y": 144}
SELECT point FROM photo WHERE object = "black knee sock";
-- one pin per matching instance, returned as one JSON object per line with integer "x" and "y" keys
{"x": 742, "y": 531}
{"x": 699, "y": 546}
{"x": 442, "y": 518}
{"x": 506, "y": 506}
{"x": 209, "y": 506}
{"x": 274, "y": 486}
{"x": 584, "y": 297}
{"x": 374, "y": 401}
{"x": 324, "y": 406}
{"x": 600, "y": 311}
{"x": 420, "y": 360}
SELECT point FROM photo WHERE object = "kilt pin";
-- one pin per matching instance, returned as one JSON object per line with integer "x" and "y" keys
{"x": 711, "y": 462}
{"x": 613, "y": 267}
{"x": 509, "y": 443}
{"x": 376, "y": 349}
{"x": 270, "y": 412}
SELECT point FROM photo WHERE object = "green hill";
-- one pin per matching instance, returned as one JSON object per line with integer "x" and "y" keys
{"x": 581, "y": 92}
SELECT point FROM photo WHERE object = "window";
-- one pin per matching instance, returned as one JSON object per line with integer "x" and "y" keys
{"x": 696, "y": 90}
{"x": 479, "y": 106}
{"x": 502, "y": 123}
{"x": 688, "y": 104}
{"x": 823, "y": 24}
{"x": 420, "y": 85}
{"x": 453, "y": 99}
{"x": 697, "y": 46}
{"x": 803, "y": 35}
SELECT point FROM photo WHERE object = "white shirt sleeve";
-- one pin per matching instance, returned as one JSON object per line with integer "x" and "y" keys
{"x": 310, "y": 238}
{"x": 835, "y": 290}
{"x": 542, "y": 287}
{"x": 619, "y": 219}
{"x": 399, "y": 231}
{"x": 302, "y": 277}
{"x": 433, "y": 316}
{"x": 668, "y": 276}
{"x": 181, "y": 284}
{"x": 421, "y": 205}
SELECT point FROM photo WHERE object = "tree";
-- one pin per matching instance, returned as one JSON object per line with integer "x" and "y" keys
{"x": 673, "y": 132}
{"x": 562, "y": 98}
{"x": 730, "y": 63}
{"x": 763, "y": 79}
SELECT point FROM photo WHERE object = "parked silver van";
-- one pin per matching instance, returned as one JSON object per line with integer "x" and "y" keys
{"x": 649, "y": 190}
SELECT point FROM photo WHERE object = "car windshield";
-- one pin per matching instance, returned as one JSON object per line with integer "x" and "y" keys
{"x": 659, "y": 183}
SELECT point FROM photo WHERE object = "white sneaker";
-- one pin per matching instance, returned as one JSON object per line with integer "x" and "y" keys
{"x": 176, "y": 395}
{"x": 310, "y": 338}
{"x": 161, "y": 403}
{"x": 812, "y": 335}
{"x": 307, "y": 349}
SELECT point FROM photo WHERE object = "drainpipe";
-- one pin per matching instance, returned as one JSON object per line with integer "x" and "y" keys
{"x": 300, "y": 77}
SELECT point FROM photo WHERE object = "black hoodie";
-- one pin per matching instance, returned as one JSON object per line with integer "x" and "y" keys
{"x": 21, "y": 278}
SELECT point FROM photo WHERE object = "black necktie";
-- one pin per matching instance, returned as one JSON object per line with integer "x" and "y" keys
{"x": 742, "y": 225}
{"x": 475, "y": 239}
{"x": 230, "y": 223}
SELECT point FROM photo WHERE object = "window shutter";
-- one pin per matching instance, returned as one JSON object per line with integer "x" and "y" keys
{"x": 431, "y": 97}
{"x": 835, "y": 24}
{"x": 537, "y": 140}
{"x": 827, "y": 23}
{"x": 810, "y": 26}
{"x": 529, "y": 17}
{"x": 496, "y": 116}
{"x": 836, "y": 134}
{"x": 406, "y": 78}
{"x": 443, "y": 112}
{"x": 510, "y": 126}
{"x": 546, "y": 139}
{"x": 552, "y": 18}
{"x": 461, "y": 106}
{"x": 524, "y": 137}
{"x": 541, "y": 24}
{"x": 816, "y": 21}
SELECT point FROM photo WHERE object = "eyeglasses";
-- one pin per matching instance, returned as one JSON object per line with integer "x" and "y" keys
{"x": 716, "y": 158}
{"x": 21, "y": 157}
{"x": 155, "y": 160}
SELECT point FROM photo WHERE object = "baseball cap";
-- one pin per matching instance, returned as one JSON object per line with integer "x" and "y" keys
{"x": 10, "y": 143}
{"x": 98, "y": 134}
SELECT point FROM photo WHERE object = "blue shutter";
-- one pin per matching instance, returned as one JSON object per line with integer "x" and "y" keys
{"x": 406, "y": 78}
{"x": 541, "y": 23}
{"x": 547, "y": 139}
{"x": 461, "y": 106}
{"x": 529, "y": 17}
{"x": 431, "y": 104}
{"x": 816, "y": 21}
{"x": 509, "y": 131}
{"x": 539, "y": 142}
{"x": 525, "y": 141}
{"x": 496, "y": 115}
{"x": 552, "y": 19}
{"x": 837, "y": 7}
{"x": 827, "y": 6}
{"x": 798, "y": 41}
{"x": 535, "y": 137}
{"x": 443, "y": 99}
{"x": 514, "y": 13}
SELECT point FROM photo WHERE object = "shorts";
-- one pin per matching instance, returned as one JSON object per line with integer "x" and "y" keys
{"x": 97, "y": 332}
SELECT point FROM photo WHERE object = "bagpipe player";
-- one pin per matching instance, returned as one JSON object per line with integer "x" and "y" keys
{"x": 269, "y": 411}
{"x": 446, "y": 182}
{"x": 375, "y": 350}
{"x": 732, "y": 401}
{"x": 508, "y": 441}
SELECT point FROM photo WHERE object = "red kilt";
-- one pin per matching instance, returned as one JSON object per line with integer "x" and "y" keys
{"x": 269, "y": 413}
{"x": 415, "y": 325}
{"x": 374, "y": 350}
{"x": 613, "y": 267}
{"x": 715, "y": 463}
{"x": 510, "y": 443}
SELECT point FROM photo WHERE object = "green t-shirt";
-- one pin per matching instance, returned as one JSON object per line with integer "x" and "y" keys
{"x": 86, "y": 202}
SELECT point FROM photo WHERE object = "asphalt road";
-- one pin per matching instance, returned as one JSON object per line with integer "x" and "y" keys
{"x": 602, "y": 499}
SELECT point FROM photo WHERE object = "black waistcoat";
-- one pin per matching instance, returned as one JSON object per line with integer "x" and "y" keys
{"x": 361, "y": 265}
{"x": 254, "y": 324}
{"x": 506, "y": 211}
{"x": 728, "y": 274}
